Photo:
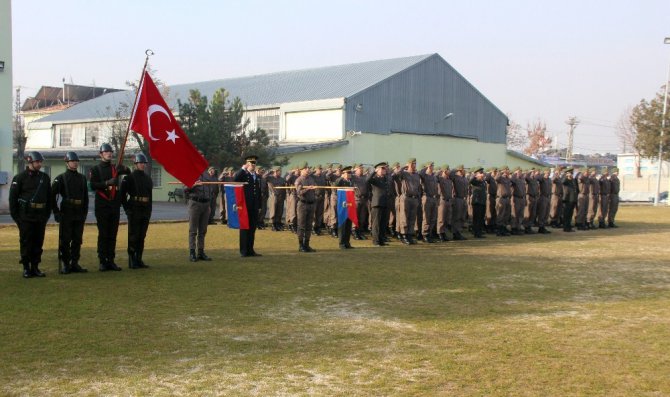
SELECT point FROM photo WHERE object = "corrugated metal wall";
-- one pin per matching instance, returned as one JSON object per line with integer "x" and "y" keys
{"x": 416, "y": 101}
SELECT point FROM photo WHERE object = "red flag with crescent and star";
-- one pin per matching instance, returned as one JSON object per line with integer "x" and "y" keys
{"x": 168, "y": 144}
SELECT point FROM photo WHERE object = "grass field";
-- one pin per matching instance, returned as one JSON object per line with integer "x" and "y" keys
{"x": 584, "y": 313}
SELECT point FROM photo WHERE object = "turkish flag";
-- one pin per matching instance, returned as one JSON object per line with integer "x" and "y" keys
{"x": 168, "y": 144}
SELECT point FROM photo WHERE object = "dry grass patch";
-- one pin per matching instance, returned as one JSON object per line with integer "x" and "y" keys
{"x": 565, "y": 314}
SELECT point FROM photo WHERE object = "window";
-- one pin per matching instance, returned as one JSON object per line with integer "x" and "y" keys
{"x": 156, "y": 176}
{"x": 271, "y": 126}
{"x": 65, "y": 136}
{"x": 92, "y": 134}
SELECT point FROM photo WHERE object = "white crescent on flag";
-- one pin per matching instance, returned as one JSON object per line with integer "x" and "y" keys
{"x": 153, "y": 109}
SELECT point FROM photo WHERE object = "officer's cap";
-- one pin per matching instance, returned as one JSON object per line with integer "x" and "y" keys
{"x": 252, "y": 158}
{"x": 475, "y": 170}
{"x": 569, "y": 169}
{"x": 615, "y": 169}
{"x": 460, "y": 167}
{"x": 395, "y": 165}
{"x": 382, "y": 164}
{"x": 346, "y": 169}
{"x": 411, "y": 160}
{"x": 429, "y": 164}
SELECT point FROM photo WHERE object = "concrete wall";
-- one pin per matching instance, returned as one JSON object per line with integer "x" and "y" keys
{"x": 373, "y": 148}
{"x": 6, "y": 100}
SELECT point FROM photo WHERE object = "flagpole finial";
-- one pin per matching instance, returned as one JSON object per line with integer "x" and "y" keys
{"x": 149, "y": 53}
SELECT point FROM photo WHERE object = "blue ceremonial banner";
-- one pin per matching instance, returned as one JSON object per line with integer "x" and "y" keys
{"x": 346, "y": 206}
{"x": 236, "y": 208}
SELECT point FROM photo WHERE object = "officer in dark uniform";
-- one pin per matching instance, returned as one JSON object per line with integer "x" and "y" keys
{"x": 104, "y": 180}
{"x": 136, "y": 198}
{"x": 379, "y": 186}
{"x": 252, "y": 197}
{"x": 478, "y": 202}
{"x": 570, "y": 196}
{"x": 305, "y": 189}
{"x": 30, "y": 208}
{"x": 69, "y": 200}
{"x": 343, "y": 229}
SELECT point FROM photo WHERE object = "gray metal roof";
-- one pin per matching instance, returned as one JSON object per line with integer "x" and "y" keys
{"x": 340, "y": 81}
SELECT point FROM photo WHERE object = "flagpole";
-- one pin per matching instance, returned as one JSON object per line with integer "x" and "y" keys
{"x": 137, "y": 94}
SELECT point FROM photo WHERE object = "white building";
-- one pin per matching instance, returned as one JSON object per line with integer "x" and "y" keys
{"x": 642, "y": 187}
{"x": 5, "y": 103}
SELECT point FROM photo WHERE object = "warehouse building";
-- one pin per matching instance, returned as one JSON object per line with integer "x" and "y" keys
{"x": 385, "y": 110}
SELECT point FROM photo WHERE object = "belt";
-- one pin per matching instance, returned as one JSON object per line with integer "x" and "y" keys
{"x": 38, "y": 205}
{"x": 505, "y": 197}
{"x": 604, "y": 194}
{"x": 200, "y": 200}
{"x": 74, "y": 201}
{"x": 518, "y": 196}
{"x": 307, "y": 202}
{"x": 433, "y": 197}
{"x": 141, "y": 199}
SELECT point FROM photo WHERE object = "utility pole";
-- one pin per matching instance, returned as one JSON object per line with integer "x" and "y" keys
{"x": 19, "y": 133}
{"x": 572, "y": 122}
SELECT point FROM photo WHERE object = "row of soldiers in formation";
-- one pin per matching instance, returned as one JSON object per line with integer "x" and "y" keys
{"x": 395, "y": 200}
{"x": 409, "y": 204}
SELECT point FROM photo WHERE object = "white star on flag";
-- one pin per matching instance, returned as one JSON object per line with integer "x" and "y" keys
{"x": 171, "y": 136}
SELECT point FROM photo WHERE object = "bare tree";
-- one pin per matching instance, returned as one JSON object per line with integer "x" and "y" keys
{"x": 537, "y": 140}
{"x": 627, "y": 134}
{"x": 515, "y": 136}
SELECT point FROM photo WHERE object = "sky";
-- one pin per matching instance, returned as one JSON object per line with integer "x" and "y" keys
{"x": 535, "y": 60}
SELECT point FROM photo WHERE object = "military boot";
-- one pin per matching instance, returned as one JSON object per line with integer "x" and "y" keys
{"x": 132, "y": 260}
{"x": 191, "y": 256}
{"x": 64, "y": 265}
{"x": 140, "y": 261}
{"x": 528, "y": 230}
{"x": 76, "y": 268}
{"x": 26, "y": 269}
{"x": 35, "y": 270}
{"x": 203, "y": 257}
{"x": 307, "y": 247}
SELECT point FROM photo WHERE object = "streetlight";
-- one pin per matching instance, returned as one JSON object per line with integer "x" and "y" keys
{"x": 660, "y": 143}
{"x": 446, "y": 116}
